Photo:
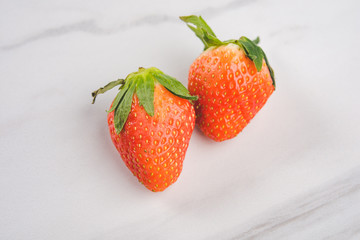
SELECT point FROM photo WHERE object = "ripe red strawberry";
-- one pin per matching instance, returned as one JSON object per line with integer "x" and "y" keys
{"x": 233, "y": 80}
{"x": 151, "y": 121}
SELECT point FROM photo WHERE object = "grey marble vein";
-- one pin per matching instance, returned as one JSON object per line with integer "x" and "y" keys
{"x": 90, "y": 25}
{"x": 83, "y": 26}
{"x": 294, "y": 174}
{"x": 335, "y": 202}
{"x": 215, "y": 11}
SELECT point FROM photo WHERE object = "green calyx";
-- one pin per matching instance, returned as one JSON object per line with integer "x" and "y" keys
{"x": 143, "y": 84}
{"x": 202, "y": 30}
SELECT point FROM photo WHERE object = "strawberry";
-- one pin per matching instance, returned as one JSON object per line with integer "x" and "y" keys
{"x": 233, "y": 80}
{"x": 151, "y": 121}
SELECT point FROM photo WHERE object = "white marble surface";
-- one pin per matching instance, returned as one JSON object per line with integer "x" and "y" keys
{"x": 293, "y": 173}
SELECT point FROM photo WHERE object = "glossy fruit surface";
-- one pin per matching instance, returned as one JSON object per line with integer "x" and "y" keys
{"x": 233, "y": 80}
{"x": 151, "y": 121}
{"x": 231, "y": 91}
{"x": 154, "y": 148}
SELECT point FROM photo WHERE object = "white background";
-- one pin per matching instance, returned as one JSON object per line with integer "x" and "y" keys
{"x": 293, "y": 173}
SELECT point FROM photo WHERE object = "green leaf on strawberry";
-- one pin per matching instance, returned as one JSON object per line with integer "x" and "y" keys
{"x": 145, "y": 93}
{"x": 233, "y": 80}
{"x": 142, "y": 83}
{"x": 123, "y": 110}
{"x": 117, "y": 99}
{"x": 253, "y": 51}
{"x": 150, "y": 122}
{"x": 174, "y": 86}
{"x": 202, "y": 30}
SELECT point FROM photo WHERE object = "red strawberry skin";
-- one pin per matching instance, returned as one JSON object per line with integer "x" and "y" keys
{"x": 153, "y": 148}
{"x": 230, "y": 89}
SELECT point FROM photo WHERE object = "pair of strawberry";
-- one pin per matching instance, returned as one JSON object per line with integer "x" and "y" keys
{"x": 153, "y": 116}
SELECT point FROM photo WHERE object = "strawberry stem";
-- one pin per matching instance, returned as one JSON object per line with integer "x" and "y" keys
{"x": 256, "y": 40}
{"x": 142, "y": 83}
{"x": 202, "y": 30}
{"x": 106, "y": 88}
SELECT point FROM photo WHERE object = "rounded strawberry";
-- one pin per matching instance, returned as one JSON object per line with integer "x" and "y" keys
{"x": 233, "y": 80}
{"x": 151, "y": 121}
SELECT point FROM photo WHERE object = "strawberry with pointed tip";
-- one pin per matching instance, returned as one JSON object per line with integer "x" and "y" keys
{"x": 151, "y": 121}
{"x": 233, "y": 80}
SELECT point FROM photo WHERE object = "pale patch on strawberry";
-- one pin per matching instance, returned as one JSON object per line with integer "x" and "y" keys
{"x": 233, "y": 80}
